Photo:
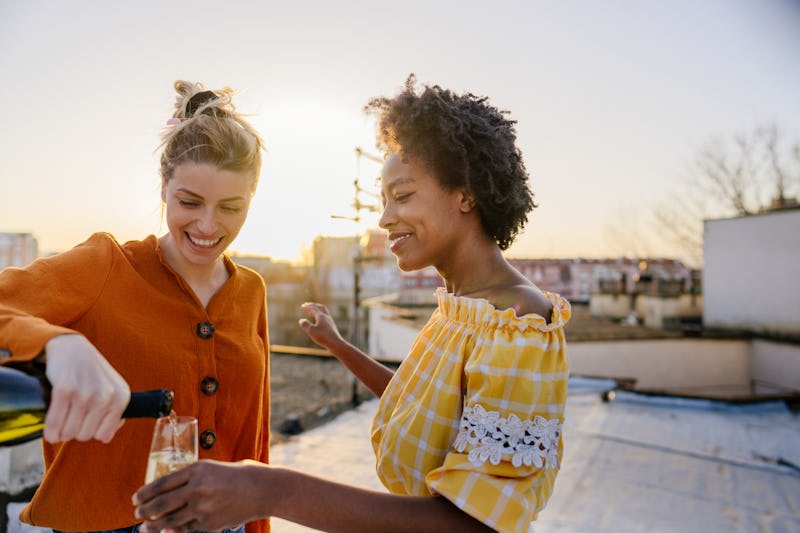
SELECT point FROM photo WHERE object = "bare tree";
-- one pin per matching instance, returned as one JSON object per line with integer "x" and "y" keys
{"x": 679, "y": 220}
{"x": 738, "y": 176}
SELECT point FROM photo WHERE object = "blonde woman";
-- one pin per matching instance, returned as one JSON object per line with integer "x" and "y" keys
{"x": 169, "y": 312}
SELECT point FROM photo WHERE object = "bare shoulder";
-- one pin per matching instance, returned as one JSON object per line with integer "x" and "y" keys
{"x": 524, "y": 298}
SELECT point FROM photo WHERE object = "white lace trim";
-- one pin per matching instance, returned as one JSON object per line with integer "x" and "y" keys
{"x": 490, "y": 437}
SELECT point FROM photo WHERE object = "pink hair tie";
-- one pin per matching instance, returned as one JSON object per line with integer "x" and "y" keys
{"x": 173, "y": 122}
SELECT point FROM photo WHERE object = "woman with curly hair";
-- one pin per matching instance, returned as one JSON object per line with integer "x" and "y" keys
{"x": 467, "y": 434}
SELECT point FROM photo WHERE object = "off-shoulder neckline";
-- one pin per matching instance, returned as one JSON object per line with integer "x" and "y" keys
{"x": 482, "y": 311}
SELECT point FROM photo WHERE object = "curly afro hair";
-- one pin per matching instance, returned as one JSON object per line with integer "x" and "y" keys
{"x": 467, "y": 143}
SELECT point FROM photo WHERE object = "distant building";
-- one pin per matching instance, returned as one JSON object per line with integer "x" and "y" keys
{"x": 287, "y": 288}
{"x": 419, "y": 286}
{"x": 345, "y": 271}
{"x": 578, "y": 278}
{"x": 752, "y": 273}
{"x": 395, "y": 319}
{"x": 657, "y": 292}
{"x": 17, "y": 249}
{"x": 748, "y": 348}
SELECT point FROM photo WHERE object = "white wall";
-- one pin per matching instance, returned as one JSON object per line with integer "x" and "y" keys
{"x": 660, "y": 364}
{"x": 751, "y": 275}
{"x": 390, "y": 339}
{"x": 775, "y": 366}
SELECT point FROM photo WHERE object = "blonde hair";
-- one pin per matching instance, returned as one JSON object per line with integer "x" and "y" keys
{"x": 205, "y": 128}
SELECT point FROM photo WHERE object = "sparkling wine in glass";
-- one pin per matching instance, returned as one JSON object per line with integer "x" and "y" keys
{"x": 174, "y": 446}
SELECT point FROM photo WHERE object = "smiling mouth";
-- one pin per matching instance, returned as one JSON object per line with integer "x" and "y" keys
{"x": 396, "y": 242}
{"x": 204, "y": 243}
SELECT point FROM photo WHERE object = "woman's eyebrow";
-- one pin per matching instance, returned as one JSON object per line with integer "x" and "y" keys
{"x": 192, "y": 193}
{"x": 399, "y": 181}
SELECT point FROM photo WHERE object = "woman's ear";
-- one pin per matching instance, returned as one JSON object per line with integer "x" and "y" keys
{"x": 467, "y": 201}
{"x": 163, "y": 191}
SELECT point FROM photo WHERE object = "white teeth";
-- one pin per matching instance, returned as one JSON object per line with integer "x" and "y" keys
{"x": 398, "y": 239}
{"x": 204, "y": 243}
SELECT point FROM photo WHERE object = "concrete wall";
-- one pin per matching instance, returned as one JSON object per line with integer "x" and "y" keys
{"x": 676, "y": 364}
{"x": 610, "y": 305}
{"x": 774, "y": 366}
{"x": 652, "y": 311}
{"x": 660, "y": 364}
{"x": 657, "y": 311}
{"x": 752, "y": 272}
{"x": 390, "y": 339}
{"x": 21, "y": 467}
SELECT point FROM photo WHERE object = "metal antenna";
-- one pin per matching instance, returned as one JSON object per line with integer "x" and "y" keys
{"x": 358, "y": 205}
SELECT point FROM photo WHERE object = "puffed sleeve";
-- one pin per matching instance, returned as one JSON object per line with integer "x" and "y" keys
{"x": 502, "y": 466}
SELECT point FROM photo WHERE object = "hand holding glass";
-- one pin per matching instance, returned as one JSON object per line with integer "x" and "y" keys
{"x": 174, "y": 446}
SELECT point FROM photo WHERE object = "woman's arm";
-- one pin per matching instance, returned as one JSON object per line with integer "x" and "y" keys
{"x": 212, "y": 495}
{"x": 39, "y": 301}
{"x": 323, "y": 331}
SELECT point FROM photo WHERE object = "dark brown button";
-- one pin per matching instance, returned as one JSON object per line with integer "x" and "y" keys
{"x": 207, "y": 439}
{"x": 5, "y": 353}
{"x": 205, "y": 330}
{"x": 209, "y": 385}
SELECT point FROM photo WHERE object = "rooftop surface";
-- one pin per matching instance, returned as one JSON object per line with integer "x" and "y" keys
{"x": 636, "y": 463}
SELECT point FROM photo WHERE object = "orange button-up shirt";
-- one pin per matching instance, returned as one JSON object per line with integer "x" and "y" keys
{"x": 143, "y": 317}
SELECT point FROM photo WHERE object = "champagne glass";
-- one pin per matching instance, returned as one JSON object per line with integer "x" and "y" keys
{"x": 174, "y": 446}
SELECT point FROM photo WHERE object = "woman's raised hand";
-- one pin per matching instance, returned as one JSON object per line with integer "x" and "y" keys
{"x": 323, "y": 329}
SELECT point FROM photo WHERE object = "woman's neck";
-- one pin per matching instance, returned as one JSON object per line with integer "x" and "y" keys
{"x": 204, "y": 279}
{"x": 477, "y": 269}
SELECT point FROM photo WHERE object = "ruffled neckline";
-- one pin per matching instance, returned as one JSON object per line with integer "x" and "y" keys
{"x": 480, "y": 312}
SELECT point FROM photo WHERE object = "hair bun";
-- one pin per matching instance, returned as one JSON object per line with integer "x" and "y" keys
{"x": 199, "y": 100}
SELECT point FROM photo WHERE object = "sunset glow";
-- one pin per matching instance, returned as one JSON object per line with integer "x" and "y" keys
{"x": 610, "y": 104}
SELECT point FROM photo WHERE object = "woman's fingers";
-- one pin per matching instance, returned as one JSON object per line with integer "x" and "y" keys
{"x": 163, "y": 505}
{"x": 56, "y": 415}
{"x": 203, "y": 496}
{"x": 147, "y": 497}
{"x": 88, "y": 395}
{"x": 178, "y": 521}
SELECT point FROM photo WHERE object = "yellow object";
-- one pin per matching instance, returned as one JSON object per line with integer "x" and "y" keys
{"x": 474, "y": 413}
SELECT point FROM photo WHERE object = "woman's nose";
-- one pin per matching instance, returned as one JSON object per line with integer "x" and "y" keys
{"x": 387, "y": 217}
{"x": 207, "y": 222}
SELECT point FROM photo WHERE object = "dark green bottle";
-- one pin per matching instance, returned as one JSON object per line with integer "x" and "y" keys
{"x": 24, "y": 399}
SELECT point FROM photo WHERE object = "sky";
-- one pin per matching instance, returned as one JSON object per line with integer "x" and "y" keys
{"x": 611, "y": 99}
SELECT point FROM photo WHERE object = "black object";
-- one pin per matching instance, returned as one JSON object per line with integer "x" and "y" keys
{"x": 209, "y": 385}
{"x": 205, "y": 330}
{"x": 207, "y": 439}
{"x": 199, "y": 100}
{"x": 25, "y": 397}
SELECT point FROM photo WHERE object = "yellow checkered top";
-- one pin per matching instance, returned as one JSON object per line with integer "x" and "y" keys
{"x": 474, "y": 413}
